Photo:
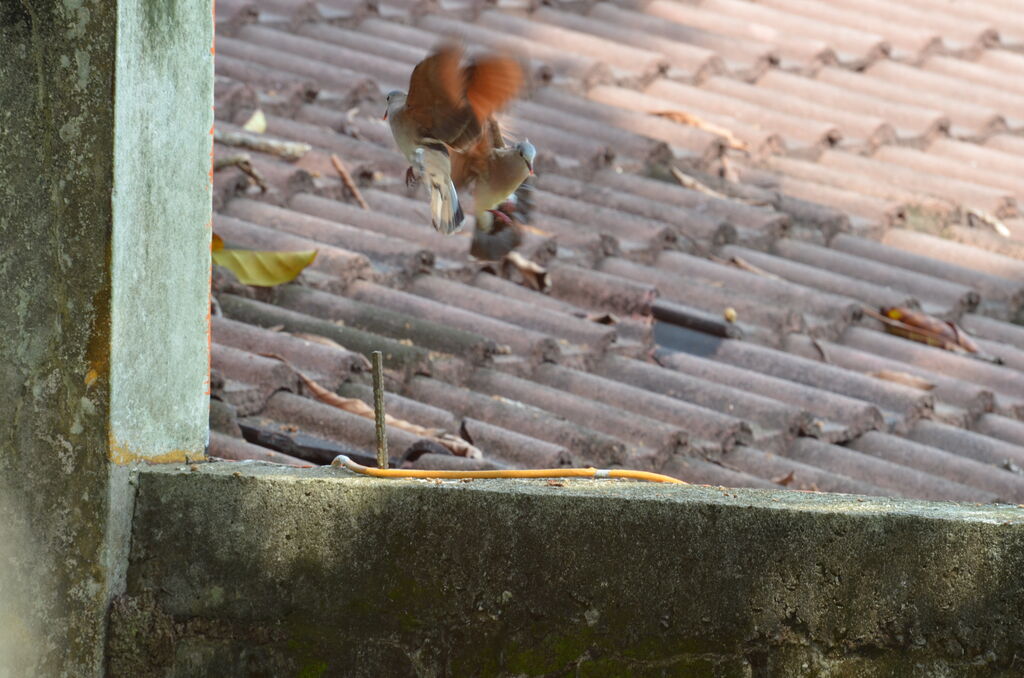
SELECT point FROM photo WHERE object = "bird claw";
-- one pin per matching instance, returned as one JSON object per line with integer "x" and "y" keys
{"x": 410, "y": 178}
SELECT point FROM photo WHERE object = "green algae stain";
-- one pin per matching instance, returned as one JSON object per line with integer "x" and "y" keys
{"x": 161, "y": 18}
{"x": 314, "y": 670}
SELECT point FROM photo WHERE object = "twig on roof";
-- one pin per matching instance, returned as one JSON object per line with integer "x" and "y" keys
{"x": 453, "y": 443}
{"x": 976, "y": 215}
{"x": 745, "y": 265}
{"x": 686, "y": 181}
{"x": 821, "y": 349}
{"x": 346, "y": 179}
{"x": 289, "y": 150}
{"x": 684, "y": 118}
{"x": 243, "y": 162}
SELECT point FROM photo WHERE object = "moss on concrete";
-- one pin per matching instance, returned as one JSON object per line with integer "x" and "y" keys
{"x": 56, "y": 79}
{"x": 396, "y": 578}
{"x": 73, "y": 382}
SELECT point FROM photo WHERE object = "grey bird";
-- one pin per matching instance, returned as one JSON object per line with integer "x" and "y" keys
{"x": 493, "y": 172}
{"x": 497, "y": 179}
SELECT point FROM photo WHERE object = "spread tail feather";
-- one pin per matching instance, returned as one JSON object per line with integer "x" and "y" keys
{"x": 445, "y": 209}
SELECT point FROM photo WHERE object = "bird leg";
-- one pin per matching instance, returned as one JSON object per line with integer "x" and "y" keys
{"x": 501, "y": 216}
{"x": 410, "y": 177}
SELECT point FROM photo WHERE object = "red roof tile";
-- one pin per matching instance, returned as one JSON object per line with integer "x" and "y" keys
{"x": 750, "y": 295}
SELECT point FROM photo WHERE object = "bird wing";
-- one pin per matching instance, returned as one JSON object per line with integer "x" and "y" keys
{"x": 490, "y": 83}
{"x": 436, "y": 102}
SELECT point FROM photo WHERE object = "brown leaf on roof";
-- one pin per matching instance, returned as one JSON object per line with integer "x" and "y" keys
{"x": 326, "y": 341}
{"x": 919, "y": 326}
{"x": 784, "y": 480}
{"x": 601, "y": 318}
{"x": 903, "y": 378}
{"x": 534, "y": 275}
{"x": 691, "y": 120}
{"x": 947, "y": 333}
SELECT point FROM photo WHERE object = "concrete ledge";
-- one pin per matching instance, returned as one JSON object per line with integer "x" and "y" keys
{"x": 250, "y": 570}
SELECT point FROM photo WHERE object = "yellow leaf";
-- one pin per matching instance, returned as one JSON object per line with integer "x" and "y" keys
{"x": 264, "y": 269}
{"x": 216, "y": 243}
{"x": 257, "y": 123}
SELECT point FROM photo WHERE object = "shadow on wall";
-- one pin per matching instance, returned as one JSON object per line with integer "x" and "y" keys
{"x": 20, "y": 644}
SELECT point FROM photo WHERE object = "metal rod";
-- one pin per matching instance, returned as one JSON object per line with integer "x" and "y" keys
{"x": 378, "y": 409}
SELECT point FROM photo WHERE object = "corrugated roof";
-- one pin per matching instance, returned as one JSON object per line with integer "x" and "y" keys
{"x": 837, "y": 158}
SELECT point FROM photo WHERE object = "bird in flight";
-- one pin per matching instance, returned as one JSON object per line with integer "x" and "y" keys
{"x": 448, "y": 111}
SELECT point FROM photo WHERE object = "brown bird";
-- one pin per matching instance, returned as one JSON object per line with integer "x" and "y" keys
{"x": 446, "y": 109}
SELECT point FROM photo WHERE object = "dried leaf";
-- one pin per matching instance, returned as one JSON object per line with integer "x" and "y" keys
{"x": 694, "y": 121}
{"x": 216, "y": 243}
{"x": 903, "y": 378}
{"x": 318, "y": 339}
{"x": 963, "y": 339}
{"x": 264, "y": 269}
{"x": 927, "y": 329}
{"x": 784, "y": 480}
{"x": 535, "y": 275}
{"x": 454, "y": 444}
{"x": 359, "y": 408}
{"x": 603, "y": 318}
{"x": 325, "y": 341}
{"x": 257, "y": 123}
{"x": 460, "y": 447}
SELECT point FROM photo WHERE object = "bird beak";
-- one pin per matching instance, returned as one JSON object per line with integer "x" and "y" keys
{"x": 385, "y": 114}
{"x": 529, "y": 166}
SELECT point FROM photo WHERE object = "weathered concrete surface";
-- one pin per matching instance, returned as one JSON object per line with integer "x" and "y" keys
{"x": 243, "y": 570}
{"x": 162, "y": 224}
{"x": 103, "y": 247}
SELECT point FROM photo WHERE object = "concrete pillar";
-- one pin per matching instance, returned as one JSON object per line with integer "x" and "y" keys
{"x": 106, "y": 110}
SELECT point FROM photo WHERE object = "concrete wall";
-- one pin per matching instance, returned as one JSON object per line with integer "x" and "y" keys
{"x": 242, "y": 570}
{"x": 105, "y": 117}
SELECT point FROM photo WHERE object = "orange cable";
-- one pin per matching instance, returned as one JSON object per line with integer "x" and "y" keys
{"x": 342, "y": 460}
